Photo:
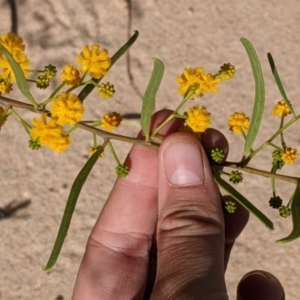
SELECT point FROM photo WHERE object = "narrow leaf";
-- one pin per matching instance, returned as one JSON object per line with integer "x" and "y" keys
{"x": 259, "y": 102}
{"x": 279, "y": 83}
{"x": 89, "y": 87}
{"x": 150, "y": 96}
{"x": 243, "y": 201}
{"x": 20, "y": 77}
{"x": 295, "y": 216}
{"x": 70, "y": 206}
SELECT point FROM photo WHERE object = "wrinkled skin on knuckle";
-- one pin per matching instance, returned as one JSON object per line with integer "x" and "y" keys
{"x": 190, "y": 219}
{"x": 133, "y": 244}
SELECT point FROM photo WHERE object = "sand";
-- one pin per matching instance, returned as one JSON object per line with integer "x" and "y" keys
{"x": 181, "y": 34}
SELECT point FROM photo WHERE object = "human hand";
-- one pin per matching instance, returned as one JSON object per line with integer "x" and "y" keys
{"x": 162, "y": 233}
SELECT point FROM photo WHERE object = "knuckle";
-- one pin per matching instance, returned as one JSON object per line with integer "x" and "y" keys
{"x": 127, "y": 244}
{"x": 186, "y": 218}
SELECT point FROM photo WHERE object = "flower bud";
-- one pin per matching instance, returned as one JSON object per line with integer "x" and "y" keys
{"x": 122, "y": 170}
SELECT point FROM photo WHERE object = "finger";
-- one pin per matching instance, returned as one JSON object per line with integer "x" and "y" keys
{"x": 190, "y": 231}
{"x": 213, "y": 138}
{"x": 260, "y": 285}
{"x": 236, "y": 222}
{"x": 115, "y": 263}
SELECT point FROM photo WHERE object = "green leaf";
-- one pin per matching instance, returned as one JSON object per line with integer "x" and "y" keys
{"x": 150, "y": 96}
{"x": 243, "y": 201}
{"x": 89, "y": 87}
{"x": 70, "y": 206}
{"x": 259, "y": 102}
{"x": 20, "y": 77}
{"x": 295, "y": 216}
{"x": 279, "y": 84}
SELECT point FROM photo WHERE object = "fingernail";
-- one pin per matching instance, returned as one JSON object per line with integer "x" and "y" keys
{"x": 183, "y": 164}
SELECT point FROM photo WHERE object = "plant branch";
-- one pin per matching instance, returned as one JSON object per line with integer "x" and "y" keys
{"x": 109, "y": 135}
{"x": 19, "y": 104}
{"x": 234, "y": 165}
{"x": 104, "y": 134}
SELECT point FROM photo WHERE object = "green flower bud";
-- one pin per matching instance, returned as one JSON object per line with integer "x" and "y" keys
{"x": 42, "y": 82}
{"x": 284, "y": 211}
{"x": 277, "y": 162}
{"x": 34, "y": 144}
{"x": 106, "y": 90}
{"x": 236, "y": 177}
{"x": 217, "y": 155}
{"x": 122, "y": 170}
{"x": 230, "y": 206}
{"x": 50, "y": 71}
{"x": 275, "y": 202}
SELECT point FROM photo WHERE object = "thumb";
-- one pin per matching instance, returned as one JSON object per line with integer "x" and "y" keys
{"x": 190, "y": 230}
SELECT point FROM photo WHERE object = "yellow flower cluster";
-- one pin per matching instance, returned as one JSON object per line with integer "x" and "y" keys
{"x": 95, "y": 60}
{"x": 12, "y": 42}
{"x": 111, "y": 120}
{"x": 192, "y": 78}
{"x": 70, "y": 75}
{"x": 238, "y": 122}
{"x": 289, "y": 155}
{"x": 198, "y": 118}
{"x": 49, "y": 133}
{"x": 14, "y": 45}
{"x": 281, "y": 109}
{"x": 67, "y": 109}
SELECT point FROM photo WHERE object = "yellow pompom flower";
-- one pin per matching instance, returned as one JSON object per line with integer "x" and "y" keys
{"x": 5, "y": 86}
{"x": 289, "y": 155}
{"x": 208, "y": 82}
{"x": 238, "y": 122}
{"x": 20, "y": 58}
{"x": 226, "y": 71}
{"x": 94, "y": 60}
{"x": 281, "y": 109}
{"x": 189, "y": 79}
{"x": 193, "y": 77}
{"x": 67, "y": 109}
{"x": 61, "y": 143}
{"x": 14, "y": 45}
{"x": 106, "y": 90}
{"x": 198, "y": 118}
{"x": 49, "y": 133}
{"x": 70, "y": 75}
{"x": 12, "y": 42}
{"x": 44, "y": 130}
{"x": 111, "y": 120}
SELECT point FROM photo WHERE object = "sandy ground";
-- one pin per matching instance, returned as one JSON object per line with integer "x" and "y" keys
{"x": 182, "y": 34}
